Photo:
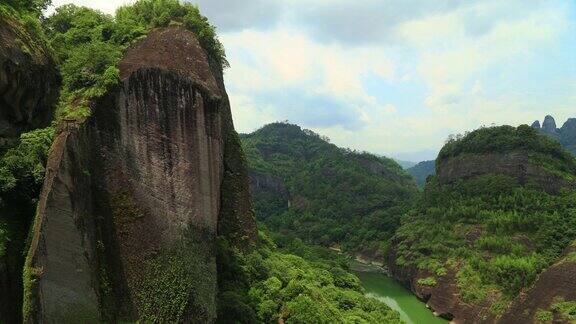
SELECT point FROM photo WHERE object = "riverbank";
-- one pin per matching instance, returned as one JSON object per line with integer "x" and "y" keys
{"x": 380, "y": 286}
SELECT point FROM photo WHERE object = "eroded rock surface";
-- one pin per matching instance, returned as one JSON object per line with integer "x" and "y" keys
{"x": 29, "y": 81}
{"x": 514, "y": 164}
{"x": 141, "y": 190}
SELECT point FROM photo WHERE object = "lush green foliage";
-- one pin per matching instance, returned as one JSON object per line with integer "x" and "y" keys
{"x": 337, "y": 196}
{"x": 22, "y": 167}
{"x": 497, "y": 235}
{"x": 28, "y": 6}
{"x": 268, "y": 284}
{"x": 566, "y": 309}
{"x": 89, "y": 44}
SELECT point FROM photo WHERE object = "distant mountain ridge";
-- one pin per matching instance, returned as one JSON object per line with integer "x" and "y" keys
{"x": 406, "y": 164}
{"x": 566, "y": 134}
{"x": 421, "y": 171}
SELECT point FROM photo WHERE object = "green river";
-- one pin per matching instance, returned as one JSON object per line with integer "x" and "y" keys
{"x": 382, "y": 287}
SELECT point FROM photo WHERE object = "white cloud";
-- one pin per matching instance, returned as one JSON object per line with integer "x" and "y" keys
{"x": 461, "y": 59}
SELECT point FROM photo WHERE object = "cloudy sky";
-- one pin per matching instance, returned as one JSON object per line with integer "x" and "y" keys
{"x": 394, "y": 77}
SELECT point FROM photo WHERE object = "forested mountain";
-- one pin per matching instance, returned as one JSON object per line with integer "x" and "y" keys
{"x": 421, "y": 171}
{"x": 124, "y": 189}
{"x": 304, "y": 186}
{"x": 566, "y": 134}
{"x": 496, "y": 222}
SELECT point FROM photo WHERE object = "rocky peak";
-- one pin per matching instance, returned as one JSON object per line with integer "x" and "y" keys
{"x": 570, "y": 127}
{"x": 536, "y": 124}
{"x": 549, "y": 124}
{"x": 566, "y": 135}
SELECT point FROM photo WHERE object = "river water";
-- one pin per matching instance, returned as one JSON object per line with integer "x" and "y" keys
{"x": 382, "y": 287}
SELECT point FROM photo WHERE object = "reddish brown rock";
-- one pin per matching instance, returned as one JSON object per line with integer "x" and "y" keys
{"x": 141, "y": 190}
{"x": 514, "y": 164}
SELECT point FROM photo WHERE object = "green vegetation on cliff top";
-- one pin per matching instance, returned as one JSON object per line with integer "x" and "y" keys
{"x": 89, "y": 44}
{"x": 336, "y": 196}
{"x": 494, "y": 235}
{"x": 542, "y": 150}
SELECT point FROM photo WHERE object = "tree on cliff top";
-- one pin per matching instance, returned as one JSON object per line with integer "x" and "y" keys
{"x": 32, "y": 6}
{"x": 89, "y": 44}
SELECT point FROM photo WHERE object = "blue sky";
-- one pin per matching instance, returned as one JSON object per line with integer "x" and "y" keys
{"x": 395, "y": 77}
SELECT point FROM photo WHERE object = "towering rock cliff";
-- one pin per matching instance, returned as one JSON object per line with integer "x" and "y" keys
{"x": 29, "y": 81}
{"x": 136, "y": 195}
{"x": 29, "y": 84}
{"x": 566, "y": 134}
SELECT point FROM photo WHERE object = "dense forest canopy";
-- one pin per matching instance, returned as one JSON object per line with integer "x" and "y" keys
{"x": 337, "y": 196}
{"x": 295, "y": 284}
{"x": 494, "y": 234}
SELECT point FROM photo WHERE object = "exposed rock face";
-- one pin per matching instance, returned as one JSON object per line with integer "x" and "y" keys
{"x": 515, "y": 164}
{"x": 29, "y": 81}
{"x": 566, "y": 135}
{"x": 445, "y": 296}
{"x": 140, "y": 191}
{"x": 558, "y": 281}
{"x": 549, "y": 125}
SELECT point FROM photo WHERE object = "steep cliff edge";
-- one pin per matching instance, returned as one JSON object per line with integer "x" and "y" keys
{"x": 141, "y": 189}
{"x": 29, "y": 88}
{"x": 29, "y": 80}
{"x": 491, "y": 235}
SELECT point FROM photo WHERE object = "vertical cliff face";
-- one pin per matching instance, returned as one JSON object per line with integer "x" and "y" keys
{"x": 141, "y": 190}
{"x": 29, "y": 84}
{"x": 29, "y": 81}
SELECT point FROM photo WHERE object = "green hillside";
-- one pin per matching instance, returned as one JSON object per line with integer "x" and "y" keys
{"x": 490, "y": 234}
{"x": 324, "y": 194}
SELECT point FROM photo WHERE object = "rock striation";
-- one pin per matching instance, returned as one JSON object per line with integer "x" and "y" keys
{"x": 136, "y": 195}
{"x": 29, "y": 80}
{"x": 514, "y": 164}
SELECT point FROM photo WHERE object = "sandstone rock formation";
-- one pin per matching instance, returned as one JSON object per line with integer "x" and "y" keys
{"x": 136, "y": 195}
{"x": 29, "y": 81}
{"x": 514, "y": 164}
